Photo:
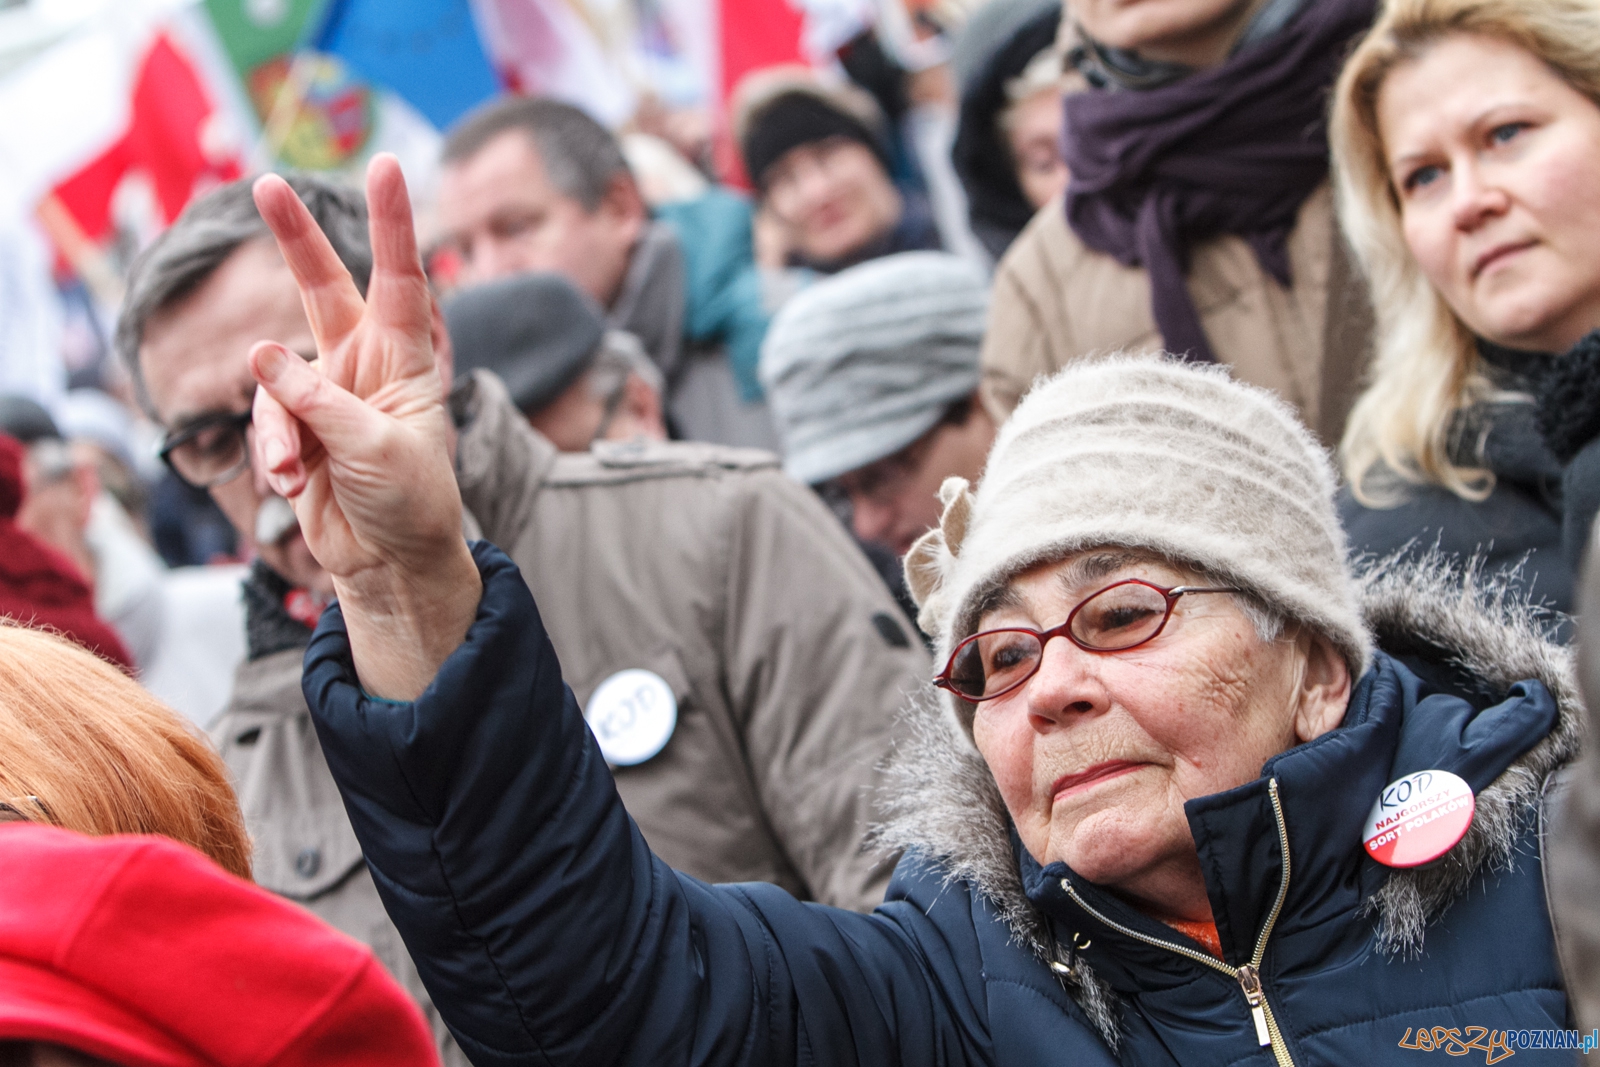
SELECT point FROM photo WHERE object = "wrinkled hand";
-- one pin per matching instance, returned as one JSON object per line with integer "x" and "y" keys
{"x": 358, "y": 441}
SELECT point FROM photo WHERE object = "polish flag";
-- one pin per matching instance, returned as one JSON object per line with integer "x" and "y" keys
{"x": 170, "y": 139}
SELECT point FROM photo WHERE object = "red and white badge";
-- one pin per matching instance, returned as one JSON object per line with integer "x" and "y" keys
{"x": 1418, "y": 818}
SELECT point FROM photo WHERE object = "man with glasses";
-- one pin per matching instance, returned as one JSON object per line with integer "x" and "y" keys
{"x": 873, "y": 377}
{"x": 738, "y": 662}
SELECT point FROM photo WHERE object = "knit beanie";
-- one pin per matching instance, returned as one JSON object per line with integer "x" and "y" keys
{"x": 861, "y": 364}
{"x": 796, "y": 118}
{"x": 538, "y": 332}
{"x": 1147, "y": 453}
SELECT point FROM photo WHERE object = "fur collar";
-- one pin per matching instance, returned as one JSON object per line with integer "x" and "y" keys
{"x": 943, "y": 804}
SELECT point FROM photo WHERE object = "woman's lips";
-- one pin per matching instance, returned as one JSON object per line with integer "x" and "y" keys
{"x": 1084, "y": 779}
{"x": 1496, "y": 254}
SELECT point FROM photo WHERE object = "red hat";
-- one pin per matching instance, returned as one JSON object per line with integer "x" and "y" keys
{"x": 38, "y": 585}
{"x": 141, "y": 951}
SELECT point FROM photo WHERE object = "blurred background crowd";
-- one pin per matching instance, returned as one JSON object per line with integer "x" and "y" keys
{"x": 902, "y": 126}
{"x": 730, "y": 300}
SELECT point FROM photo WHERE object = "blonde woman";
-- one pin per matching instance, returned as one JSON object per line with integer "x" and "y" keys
{"x": 1466, "y": 135}
{"x": 86, "y": 748}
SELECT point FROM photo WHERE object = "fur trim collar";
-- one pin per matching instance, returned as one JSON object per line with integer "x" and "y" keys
{"x": 943, "y": 804}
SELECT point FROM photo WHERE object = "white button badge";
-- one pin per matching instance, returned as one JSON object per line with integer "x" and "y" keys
{"x": 1418, "y": 818}
{"x": 632, "y": 715}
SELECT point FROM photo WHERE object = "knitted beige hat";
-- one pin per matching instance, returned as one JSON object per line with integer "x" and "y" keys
{"x": 1150, "y": 453}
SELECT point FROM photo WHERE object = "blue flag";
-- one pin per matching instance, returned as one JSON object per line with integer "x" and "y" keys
{"x": 427, "y": 51}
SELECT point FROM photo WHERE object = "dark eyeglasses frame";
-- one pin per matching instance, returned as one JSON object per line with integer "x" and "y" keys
{"x": 235, "y": 423}
{"x": 1172, "y": 595}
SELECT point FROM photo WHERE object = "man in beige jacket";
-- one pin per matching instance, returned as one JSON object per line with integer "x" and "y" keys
{"x": 739, "y": 661}
{"x": 1174, "y": 214}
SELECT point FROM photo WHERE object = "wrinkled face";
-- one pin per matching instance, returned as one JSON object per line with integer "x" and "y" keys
{"x": 1033, "y": 133}
{"x": 195, "y": 363}
{"x": 833, "y": 195}
{"x": 1493, "y": 159}
{"x": 896, "y": 500}
{"x": 502, "y": 215}
{"x": 1196, "y": 33}
{"x": 1097, "y": 753}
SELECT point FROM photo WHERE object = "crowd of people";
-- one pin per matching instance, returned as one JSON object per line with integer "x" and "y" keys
{"x": 640, "y": 629}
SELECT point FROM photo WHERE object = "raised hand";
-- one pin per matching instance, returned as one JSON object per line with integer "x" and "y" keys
{"x": 358, "y": 441}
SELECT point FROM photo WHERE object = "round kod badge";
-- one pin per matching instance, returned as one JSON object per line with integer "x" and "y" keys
{"x": 1418, "y": 818}
{"x": 632, "y": 714}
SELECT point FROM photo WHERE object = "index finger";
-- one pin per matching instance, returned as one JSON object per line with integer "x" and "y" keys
{"x": 398, "y": 291}
{"x": 332, "y": 302}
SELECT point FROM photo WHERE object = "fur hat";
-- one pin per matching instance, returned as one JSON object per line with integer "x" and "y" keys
{"x": 1146, "y": 452}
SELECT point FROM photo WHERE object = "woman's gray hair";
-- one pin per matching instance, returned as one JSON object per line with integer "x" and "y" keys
{"x": 209, "y": 231}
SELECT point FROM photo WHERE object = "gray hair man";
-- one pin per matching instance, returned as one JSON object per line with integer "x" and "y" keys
{"x": 533, "y": 184}
{"x": 694, "y": 578}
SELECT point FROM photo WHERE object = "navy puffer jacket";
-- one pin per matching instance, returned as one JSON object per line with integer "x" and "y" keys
{"x": 547, "y": 932}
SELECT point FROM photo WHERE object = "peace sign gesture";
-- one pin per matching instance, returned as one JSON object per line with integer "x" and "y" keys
{"x": 358, "y": 441}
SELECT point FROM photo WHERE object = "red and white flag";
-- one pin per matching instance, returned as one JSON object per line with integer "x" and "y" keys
{"x": 170, "y": 139}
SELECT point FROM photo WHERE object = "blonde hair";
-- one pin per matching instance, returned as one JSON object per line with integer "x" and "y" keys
{"x": 1426, "y": 367}
{"x": 84, "y": 747}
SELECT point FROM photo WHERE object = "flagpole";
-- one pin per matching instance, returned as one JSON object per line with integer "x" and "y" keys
{"x": 86, "y": 257}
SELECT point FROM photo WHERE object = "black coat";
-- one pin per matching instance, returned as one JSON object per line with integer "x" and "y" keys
{"x": 547, "y": 932}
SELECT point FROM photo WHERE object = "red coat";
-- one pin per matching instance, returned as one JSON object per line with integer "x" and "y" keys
{"x": 38, "y": 585}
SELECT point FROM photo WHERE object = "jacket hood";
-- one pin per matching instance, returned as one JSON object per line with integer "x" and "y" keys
{"x": 995, "y": 45}
{"x": 1460, "y": 629}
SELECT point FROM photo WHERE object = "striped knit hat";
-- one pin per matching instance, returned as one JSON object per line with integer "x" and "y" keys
{"x": 863, "y": 363}
{"x": 1147, "y": 453}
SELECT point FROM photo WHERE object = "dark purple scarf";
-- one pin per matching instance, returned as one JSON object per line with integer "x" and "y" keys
{"x": 1234, "y": 149}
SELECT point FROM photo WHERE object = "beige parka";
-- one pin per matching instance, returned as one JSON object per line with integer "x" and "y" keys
{"x": 1055, "y": 301}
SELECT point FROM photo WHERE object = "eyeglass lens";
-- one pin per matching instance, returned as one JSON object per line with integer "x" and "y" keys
{"x": 210, "y": 453}
{"x": 991, "y": 663}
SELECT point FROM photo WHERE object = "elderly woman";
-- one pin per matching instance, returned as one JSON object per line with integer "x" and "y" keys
{"x": 1134, "y": 829}
{"x": 1466, "y": 135}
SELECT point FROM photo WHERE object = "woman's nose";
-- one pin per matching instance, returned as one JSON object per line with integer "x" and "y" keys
{"x": 1475, "y": 199}
{"x": 1066, "y": 687}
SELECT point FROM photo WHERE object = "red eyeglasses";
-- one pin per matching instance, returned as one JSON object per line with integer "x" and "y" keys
{"x": 1121, "y": 616}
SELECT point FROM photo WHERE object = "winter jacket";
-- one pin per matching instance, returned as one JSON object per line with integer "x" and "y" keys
{"x": 1056, "y": 301}
{"x": 1541, "y": 441}
{"x": 687, "y": 302}
{"x": 725, "y": 304}
{"x": 548, "y": 933}
{"x": 706, "y": 566}
{"x": 1515, "y": 531}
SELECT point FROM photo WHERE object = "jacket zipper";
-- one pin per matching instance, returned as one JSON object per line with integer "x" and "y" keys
{"x": 1249, "y": 975}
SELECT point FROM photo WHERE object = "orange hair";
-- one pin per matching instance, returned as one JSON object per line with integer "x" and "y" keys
{"x": 86, "y": 748}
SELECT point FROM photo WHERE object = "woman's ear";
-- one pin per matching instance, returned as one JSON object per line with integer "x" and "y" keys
{"x": 1324, "y": 688}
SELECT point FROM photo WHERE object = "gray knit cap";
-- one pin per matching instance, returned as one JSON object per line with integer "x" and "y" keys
{"x": 863, "y": 363}
{"x": 1149, "y": 453}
